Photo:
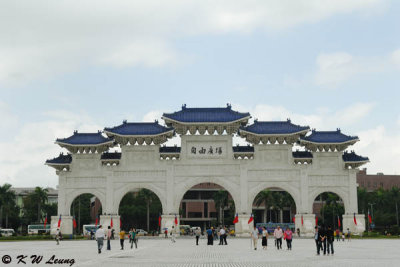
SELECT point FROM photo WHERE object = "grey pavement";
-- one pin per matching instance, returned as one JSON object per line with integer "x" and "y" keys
{"x": 161, "y": 252}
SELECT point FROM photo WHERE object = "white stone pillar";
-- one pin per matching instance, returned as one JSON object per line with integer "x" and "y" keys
{"x": 66, "y": 227}
{"x": 348, "y": 223}
{"x": 243, "y": 228}
{"x": 307, "y": 228}
{"x": 167, "y": 221}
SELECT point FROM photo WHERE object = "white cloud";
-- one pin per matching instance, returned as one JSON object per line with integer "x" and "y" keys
{"x": 338, "y": 67}
{"x": 153, "y": 115}
{"x": 22, "y": 159}
{"x": 382, "y": 148}
{"x": 395, "y": 57}
{"x": 321, "y": 118}
{"x": 51, "y": 37}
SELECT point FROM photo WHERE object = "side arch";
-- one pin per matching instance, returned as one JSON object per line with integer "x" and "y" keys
{"x": 341, "y": 192}
{"x": 182, "y": 188}
{"x": 293, "y": 192}
{"x": 71, "y": 195}
{"x": 119, "y": 194}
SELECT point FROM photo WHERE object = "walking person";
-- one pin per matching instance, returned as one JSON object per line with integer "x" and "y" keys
{"x": 317, "y": 239}
{"x": 225, "y": 235}
{"x": 100, "y": 238}
{"x": 254, "y": 237}
{"x": 108, "y": 234}
{"x": 264, "y": 238}
{"x": 298, "y": 232}
{"x": 278, "y": 234}
{"x": 122, "y": 238}
{"x": 288, "y": 236}
{"x": 173, "y": 235}
{"x": 221, "y": 236}
{"x": 132, "y": 236}
{"x": 210, "y": 237}
{"x": 348, "y": 235}
{"x": 197, "y": 233}
{"x": 57, "y": 236}
{"x": 330, "y": 239}
{"x": 322, "y": 234}
{"x": 166, "y": 232}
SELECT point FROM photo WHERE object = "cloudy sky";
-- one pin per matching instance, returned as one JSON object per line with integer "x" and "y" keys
{"x": 84, "y": 65}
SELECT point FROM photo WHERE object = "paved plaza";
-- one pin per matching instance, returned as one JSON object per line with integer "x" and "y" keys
{"x": 161, "y": 252}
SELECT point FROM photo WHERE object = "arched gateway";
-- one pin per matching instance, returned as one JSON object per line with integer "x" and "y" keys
{"x": 207, "y": 155}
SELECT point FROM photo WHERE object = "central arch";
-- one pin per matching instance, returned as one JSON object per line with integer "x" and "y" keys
{"x": 229, "y": 186}
{"x": 293, "y": 192}
{"x": 119, "y": 194}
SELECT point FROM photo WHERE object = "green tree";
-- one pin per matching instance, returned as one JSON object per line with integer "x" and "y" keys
{"x": 7, "y": 202}
{"x": 80, "y": 209}
{"x": 34, "y": 204}
{"x": 265, "y": 197}
{"x": 221, "y": 201}
{"x": 133, "y": 211}
{"x": 148, "y": 197}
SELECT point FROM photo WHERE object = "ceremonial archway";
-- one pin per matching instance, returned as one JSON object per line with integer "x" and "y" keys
{"x": 267, "y": 161}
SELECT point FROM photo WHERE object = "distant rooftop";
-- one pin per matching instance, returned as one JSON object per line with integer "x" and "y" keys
{"x": 328, "y": 137}
{"x": 138, "y": 128}
{"x": 84, "y": 139}
{"x": 275, "y": 128}
{"x": 201, "y": 115}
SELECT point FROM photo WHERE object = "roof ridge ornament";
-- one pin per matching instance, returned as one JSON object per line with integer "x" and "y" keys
{"x": 338, "y": 130}
{"x": 124, "y": 121}
{"x": 288, "y": 120}
{"x": 75, "y": 132}
{"x": 183, "y": 106}
{"x": 229, "y": 105}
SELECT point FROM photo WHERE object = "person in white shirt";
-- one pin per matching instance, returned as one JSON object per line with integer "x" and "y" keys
{"x": 221, "y": 236}
{"x": 278, "y": 234}
{"x": 254, "y": 237}
{"x": 264, "y": 238}
{"x": 100, "y": 238}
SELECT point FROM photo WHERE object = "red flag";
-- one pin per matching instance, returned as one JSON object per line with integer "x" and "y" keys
{"x": 316, "y": 221}
{"x": 74, "y": 222}
{"x": 159, "y": 220}
{"x": 97, "y": 220}
{"x": 302, "y": 222}
{"x": 251, "y": 219}
{"x": 369, "y": 218}
{"x": 294, "y": 219}
{"x": 338, "y": 221}
{"x": 59, "y": 222}
{"x": 176, "y": 220}
{"x": 111, "y": 223}
{"x": 355, "y": 220}
{"x": 236, "y": 220}
{"x": 45, "y": 222}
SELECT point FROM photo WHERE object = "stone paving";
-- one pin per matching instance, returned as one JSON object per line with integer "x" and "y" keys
{"x": 184, "y": 253}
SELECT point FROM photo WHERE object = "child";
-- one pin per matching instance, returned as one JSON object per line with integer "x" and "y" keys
{"x": 343, "y": 237}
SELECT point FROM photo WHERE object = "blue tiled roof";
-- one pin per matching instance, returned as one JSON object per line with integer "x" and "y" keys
{"x": 328, "y": 137}
{"x": 61, "y": 159}
{"x": 138, "y": 128}
{"x": 111, "y": 155}
{"x": 302, "y": 154}
{"x": 85, "y": 139}
{"x": 198, "y": 115}
{"x": 243, "y": 149}
{"x": 353, "y": 157}
{"x": 170, "y": 149}
{"x": 274, "y": 127}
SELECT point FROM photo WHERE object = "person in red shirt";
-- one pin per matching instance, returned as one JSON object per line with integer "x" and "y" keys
{"x": 288, "y": 235}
